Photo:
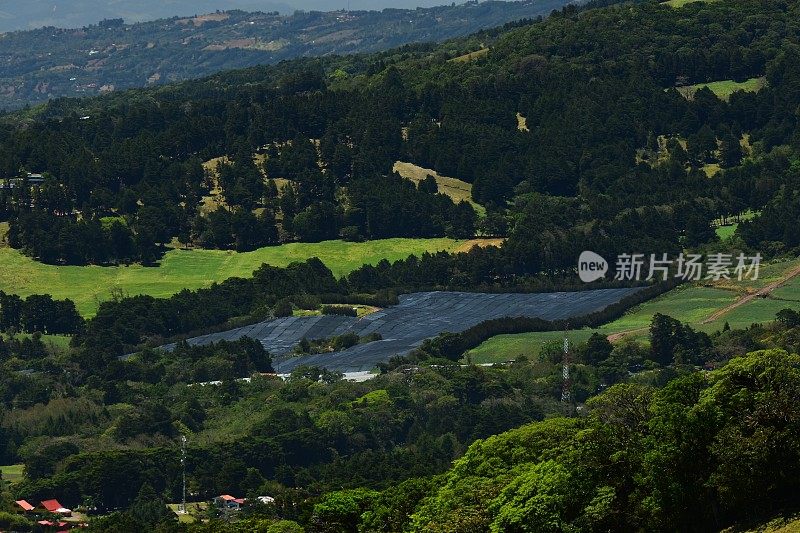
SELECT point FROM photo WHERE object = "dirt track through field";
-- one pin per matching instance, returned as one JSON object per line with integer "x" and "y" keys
{"x": 761, "y": 293}
{"x": 614, "y": 337}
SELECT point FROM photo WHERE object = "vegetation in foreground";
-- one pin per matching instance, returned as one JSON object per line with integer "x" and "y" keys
{"x": 658, "y": 442}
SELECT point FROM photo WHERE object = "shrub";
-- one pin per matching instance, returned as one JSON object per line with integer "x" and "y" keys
{"x": 282, "y": 307}
{"x": 344, "y": 310}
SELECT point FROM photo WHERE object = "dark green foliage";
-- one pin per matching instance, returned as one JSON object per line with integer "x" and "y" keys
{"x": 789, "y": 318}
{"x": 428, "y": 185}
{"x": 333, "y": 344}
{"x": 597, "y": 349}
{"x": 339, "y": 310}
{"x": 39, "y": 313}
{"x": 673, "y": 342}
{"x": 283, "y": 307}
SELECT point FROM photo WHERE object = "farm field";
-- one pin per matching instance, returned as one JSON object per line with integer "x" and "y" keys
{"x": 12, "y": 473}
{"x": 87, "y": 286}
{"x": 724, "y": 88}
{"x": 403, "y": 327}
{"x": 456, "y": 189}
{"x": 690, "y": 303}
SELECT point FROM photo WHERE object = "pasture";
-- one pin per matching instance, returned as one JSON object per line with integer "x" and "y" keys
{"x": 12, "y": 473}
{"x": 87, "y": 286}
{"x": 458, "y": 190}
{"x": 724, "y": 88}
{"x": 691, "y": 304}
{"x": 726, "y": 232}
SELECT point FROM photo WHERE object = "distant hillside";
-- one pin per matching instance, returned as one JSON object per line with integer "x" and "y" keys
{"x": 48, "y": 63}
{"x": 34, "y": 14}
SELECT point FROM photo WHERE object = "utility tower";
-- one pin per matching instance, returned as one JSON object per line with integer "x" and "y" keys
{"x": 182, "y": 510}
{"x": 566, "y": 386}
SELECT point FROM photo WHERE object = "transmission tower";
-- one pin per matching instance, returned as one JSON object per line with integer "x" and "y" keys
{"x": 566, "y": 386}
{"x": 182, "y": 510}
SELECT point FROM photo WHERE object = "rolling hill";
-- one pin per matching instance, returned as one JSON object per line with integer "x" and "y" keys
{"x": 52, "y": 62}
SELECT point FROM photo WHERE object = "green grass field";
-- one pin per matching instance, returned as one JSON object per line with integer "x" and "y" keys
{"x": 724, "y": 88}
{"x": 87, "y": 286}
{"x": 12, "y": 473}
{"x": 58, "y": 341}
{"x": 681, "y": 3}
{"x": 726, "y": 232}
{"x": 689, "y": 303}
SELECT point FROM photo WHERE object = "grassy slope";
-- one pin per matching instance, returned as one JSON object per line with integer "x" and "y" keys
{"x": 471, "y": 56}
{"x": 726, "y": 232}
{"x": 724, "y": 88}
{"x": 456, "y": 189}
{"x": 192, "y": 269}
{"x": 690, "y": 303}
{"x": 681, "y": 3}
{"x": 12, "y": 473}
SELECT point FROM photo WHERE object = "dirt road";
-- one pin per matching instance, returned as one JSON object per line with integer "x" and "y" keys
{"x": 761, "y": 293}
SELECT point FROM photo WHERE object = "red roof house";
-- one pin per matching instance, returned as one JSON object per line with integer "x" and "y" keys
{"x": 53, "y": 506}
{"x": 25, "y": 505}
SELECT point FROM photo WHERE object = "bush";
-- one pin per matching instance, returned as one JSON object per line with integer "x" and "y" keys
{"x": 282, "y": 307}
{"x": 344, "y": 310}
{"x": 306, "y": 301}
{"x": 14, "y": 522}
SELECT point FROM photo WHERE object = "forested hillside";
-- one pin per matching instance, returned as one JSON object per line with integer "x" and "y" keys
{"x": 613, "y": 158}
{"x": 62, "y": 60}
{"x": 621, "y": 129}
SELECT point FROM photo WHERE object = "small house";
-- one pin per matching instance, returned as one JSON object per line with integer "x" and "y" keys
{"x": 226, "y": 501}
{"x": 24, "y": 505}
{"x": 53, "y": 506}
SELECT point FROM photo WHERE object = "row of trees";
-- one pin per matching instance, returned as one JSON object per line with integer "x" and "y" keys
{"x": 38, "y": 313}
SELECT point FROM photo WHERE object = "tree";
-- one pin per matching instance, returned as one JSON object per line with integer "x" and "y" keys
{"x": 597, "y": 349}
{"x": 731, "y": 152}
{"x": 149, "y": 509}
{"x": 428, "y": 185}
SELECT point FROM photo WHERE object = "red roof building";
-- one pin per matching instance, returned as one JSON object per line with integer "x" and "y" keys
{"x": 53, "y": 506}
{"x": 25, "y": 505}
